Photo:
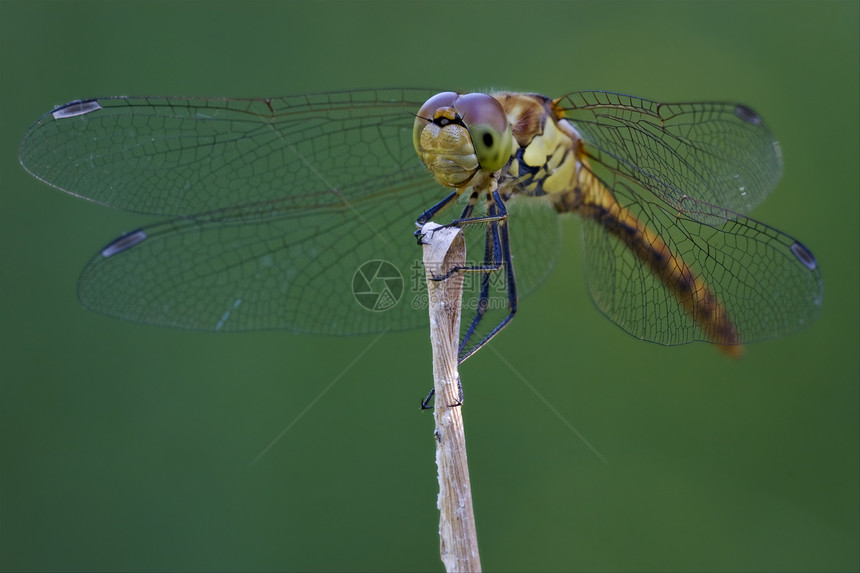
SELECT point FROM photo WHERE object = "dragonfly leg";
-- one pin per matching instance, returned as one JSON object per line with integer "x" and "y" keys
{"x": 492, "y": 252}
{"x": 431, "y": 212}
{"x": 497, "y": 253}
{"x": 425, "y": 404}
{"x": 465, "y": 218}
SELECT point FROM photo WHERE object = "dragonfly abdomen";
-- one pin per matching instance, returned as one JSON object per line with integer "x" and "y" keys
{"x": 691, "y": 291}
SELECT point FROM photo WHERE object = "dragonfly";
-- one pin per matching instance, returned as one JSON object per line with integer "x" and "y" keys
{"x": 297, "y": 213}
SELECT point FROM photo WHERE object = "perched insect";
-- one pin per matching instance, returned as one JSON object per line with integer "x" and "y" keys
{"x": 296, "y": 213}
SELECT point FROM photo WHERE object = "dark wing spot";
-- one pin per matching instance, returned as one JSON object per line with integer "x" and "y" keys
{"x": 804, "y": 255}
{"x": 124, "y": 243}
{"x": 75, "y": 109}
{"x": 748, "y": 115}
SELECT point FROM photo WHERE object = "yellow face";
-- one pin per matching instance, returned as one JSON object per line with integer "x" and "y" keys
{"x": 456, "y": 136}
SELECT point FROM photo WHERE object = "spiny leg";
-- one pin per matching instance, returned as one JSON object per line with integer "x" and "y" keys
{"x": 492, "y": 257}
{"x": 425, "y": 403}
{"x": 504, "y": 247}
{"x": 465, "y": 219}
{"x": 497, "y": 253}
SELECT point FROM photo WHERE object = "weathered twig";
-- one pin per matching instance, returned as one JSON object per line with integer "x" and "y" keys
{"x": 445, "y": 249}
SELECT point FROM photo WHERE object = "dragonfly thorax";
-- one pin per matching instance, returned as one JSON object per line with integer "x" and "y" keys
{"x": 545, "y": 161}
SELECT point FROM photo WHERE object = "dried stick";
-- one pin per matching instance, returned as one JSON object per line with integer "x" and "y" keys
{"x": 445, "y": 249}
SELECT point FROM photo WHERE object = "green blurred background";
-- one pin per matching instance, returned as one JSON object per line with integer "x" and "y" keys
{"x": 127, "y": 447}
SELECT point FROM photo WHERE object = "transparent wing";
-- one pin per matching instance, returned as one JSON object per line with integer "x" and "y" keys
{"x": 312, "y": 270}
{"x": 718, "y": 153}
{"x": 768, "y": 282}
{"x": 290, "y": 213}
{"x": 181, "y": 156}
{"x": 689, "y": 172}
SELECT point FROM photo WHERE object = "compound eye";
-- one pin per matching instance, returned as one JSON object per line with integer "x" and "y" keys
{"x": 488, "y": 127}
{"x": 428, "y": 112}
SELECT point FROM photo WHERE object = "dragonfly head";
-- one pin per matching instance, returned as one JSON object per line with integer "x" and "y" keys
{"x": 458, "y": 135}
